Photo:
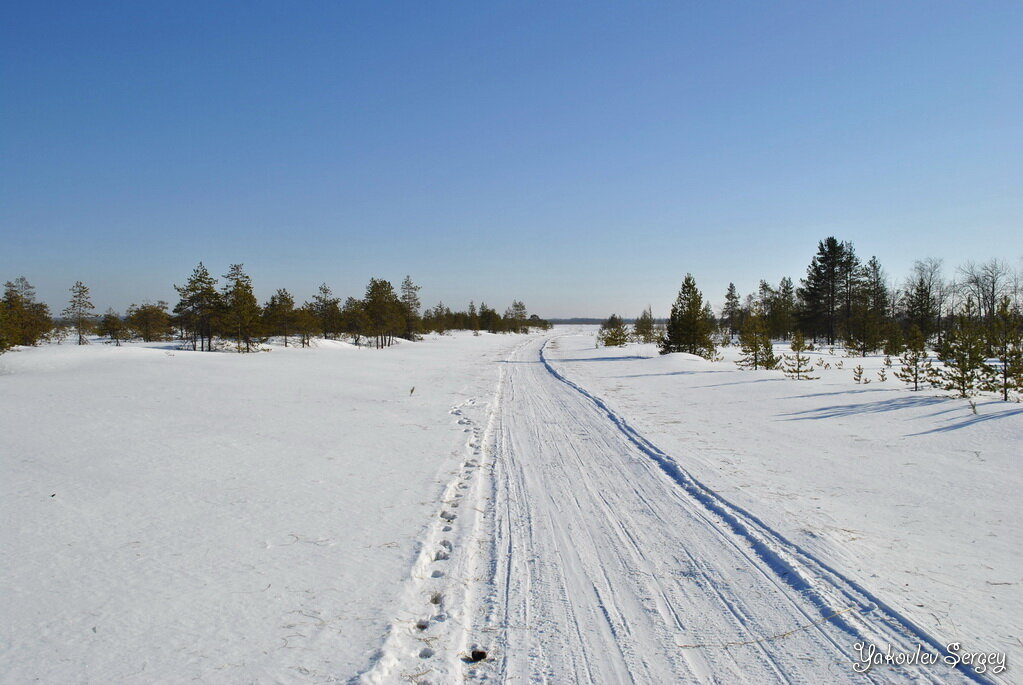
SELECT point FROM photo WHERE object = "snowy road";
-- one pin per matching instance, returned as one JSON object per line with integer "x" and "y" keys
{"x": 595, "y": 558}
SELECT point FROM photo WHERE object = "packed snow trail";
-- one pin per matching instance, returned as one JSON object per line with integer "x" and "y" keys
{"x": 594, "y": 558}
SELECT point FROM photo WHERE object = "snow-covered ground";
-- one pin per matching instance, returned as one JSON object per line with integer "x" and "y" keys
{"x": 172, "y": 515}
{"x": 910, "y": 494}
{"x": 578, "y": 514}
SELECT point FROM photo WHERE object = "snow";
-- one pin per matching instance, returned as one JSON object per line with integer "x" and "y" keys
{"x": 580, "y": 514}
{"x": 910, "y": 494}
{"x": 170, "y": 515}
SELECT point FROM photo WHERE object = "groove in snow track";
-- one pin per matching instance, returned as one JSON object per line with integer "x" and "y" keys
{"x": 608, "y": 557}
{"x": 583, "y": 553}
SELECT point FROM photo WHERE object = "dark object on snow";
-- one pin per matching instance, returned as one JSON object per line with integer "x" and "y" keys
{"x": 477, "y": 655}
{"x": 411, "y": 391}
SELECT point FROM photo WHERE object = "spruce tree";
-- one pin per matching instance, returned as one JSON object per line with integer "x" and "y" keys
{"x": 826, "y": 291}
{"x": 923, "y": 296}
{"x": 731, "y": 313}
{"x": 1006, "y": 339}
{"x": 79, "y": 311}
{"x": 613, "y": 332}
{"x": 241, "y": 314}
{"x": 916, "y": 366}
{"x": 780, "y": 317}
{"x": 964, "y": 354}
{"x": 755, "y": 343}
{"x": 689, "y": 329}
{"x": 797, "y": 365}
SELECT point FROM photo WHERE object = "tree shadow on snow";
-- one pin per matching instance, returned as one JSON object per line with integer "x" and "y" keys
{"x": 669, "y": 373}
{"x": 625, "y": 358}
{"x": 877, "y": 407}
{"x": 841, "y": 392}
{"x": 756, "y": 380}
{"x": 969, "y": 421}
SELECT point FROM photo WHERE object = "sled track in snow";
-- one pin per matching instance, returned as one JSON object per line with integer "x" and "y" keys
{"x": 832, "y": 593}
{"x": 571, "y": 549}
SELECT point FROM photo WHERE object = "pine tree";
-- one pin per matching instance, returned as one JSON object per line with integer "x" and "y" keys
{"x": 689, "y": 329}
{"x": 964, "y": 355}
{"x": 474, "y": 319}
{"x": 199, "y": 307}
{"x": 613, "y": 332}
{"x": 26, "y": 322}
{"x": 517, "y": 317}
{"x": 148, "y": 321}
{"x": 279, "y": 314}
{"x": 5, "y": 336}
{"x": 383, "y": 309}
{"x": 306, "y": 323}
{"x": 755, "y": 343}
{"x": 893, "y": 340}
{"x": 489, "y": 319}
{"x": 410, "y": 307}
{"x": 797, "y": 365}
{"x": 241, "y": 314}
{"x": 113, "y": 327}
{"x": 916, "y": 366}
{"x": 79, "y": 311}
{"x": 643, "y": 327}
{"x": 1007, "y": 340}
{"x": 354, "y": 321}
{"x": 327, "y": 309}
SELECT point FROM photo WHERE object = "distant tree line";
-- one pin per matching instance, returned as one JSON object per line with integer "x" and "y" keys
{"x": 211, "y": 314}
{"x": 972, "y": 320}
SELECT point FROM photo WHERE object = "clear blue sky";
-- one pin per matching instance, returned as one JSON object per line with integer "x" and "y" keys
{"x": 579, "y": 156}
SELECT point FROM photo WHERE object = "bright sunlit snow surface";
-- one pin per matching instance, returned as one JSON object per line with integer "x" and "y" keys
{"x": 578, "y": 514}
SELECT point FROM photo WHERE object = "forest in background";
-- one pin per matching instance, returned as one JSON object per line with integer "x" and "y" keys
{"x": 208, "y": 317}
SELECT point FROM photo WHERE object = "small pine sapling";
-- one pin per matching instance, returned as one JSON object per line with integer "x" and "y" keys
{"x": 1006, "y": 338}
{"x": 882, "y": 375}
{"x": 797, "y": 365}
{"x": 965, "y": 370}
{"x": 858, "y": 373}
{"x": 756, "y": 346}
{"x": 916, "y": 366}
{"x": 613, "y": 332}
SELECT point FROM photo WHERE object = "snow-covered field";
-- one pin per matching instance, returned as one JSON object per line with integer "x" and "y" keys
{"x": 173, "y": 515}
{"x": 579, "y": 514}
